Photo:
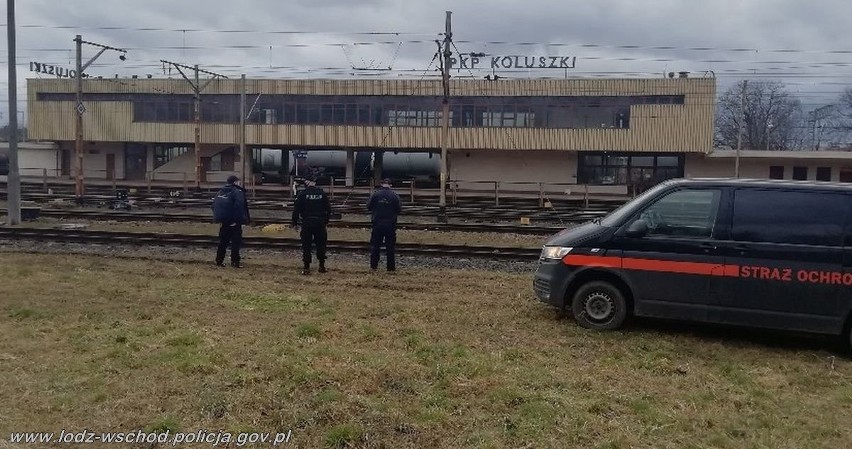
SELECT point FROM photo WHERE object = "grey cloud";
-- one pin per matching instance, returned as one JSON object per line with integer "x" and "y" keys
{"x": 721, "y": 24}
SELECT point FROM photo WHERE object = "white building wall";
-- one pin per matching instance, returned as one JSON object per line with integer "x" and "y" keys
{"x": 698, "y": 166}
{"x": 519, "y": 171}
{"x": 33, "y": 162}
{"x": 95, "y": 161}
{"x": 511, "y": 167}
{"x": 184, "y": 166}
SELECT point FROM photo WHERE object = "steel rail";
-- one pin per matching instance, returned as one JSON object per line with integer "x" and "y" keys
{"x": 111, "y": 215}
{"x": 209, "y": 241}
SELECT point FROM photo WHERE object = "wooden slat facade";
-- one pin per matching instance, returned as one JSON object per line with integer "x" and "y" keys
{"x": 677, "y": 128}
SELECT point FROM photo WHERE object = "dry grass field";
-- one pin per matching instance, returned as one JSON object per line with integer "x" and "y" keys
{"x": 424, "y": 359}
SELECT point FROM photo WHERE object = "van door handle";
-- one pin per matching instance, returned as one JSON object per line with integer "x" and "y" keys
{"x": 707, "y": 247}
{"x": 742, "y": 249}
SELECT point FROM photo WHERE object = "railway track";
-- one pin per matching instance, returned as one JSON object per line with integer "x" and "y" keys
{"x": 208, "y": 241}
{"x": 263, "y": 221}
{"x": 470, "y": 207}
{"x": 423, "y": 196}
{"x": 561, "y": 214}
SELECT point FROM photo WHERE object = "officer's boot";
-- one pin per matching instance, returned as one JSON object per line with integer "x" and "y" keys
{"x": 322, "y": 266}
{"x": 306, "y": 270}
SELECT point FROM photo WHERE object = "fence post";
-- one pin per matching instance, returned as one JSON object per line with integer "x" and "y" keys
{"x": 412, "y": 190}
{"x": 185, "y": 188}
{"x": 331, "y": 188}
{"x": 455, "y": 187}
{"x": 586, "y": 196}
{"x": 112, "y": 175}
{"x": 44, "y": 178}
{"x": 496, "y": 193}
{"x": 540, "y": 195}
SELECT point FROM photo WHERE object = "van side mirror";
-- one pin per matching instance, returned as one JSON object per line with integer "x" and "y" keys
{"x": 637, "y": 229}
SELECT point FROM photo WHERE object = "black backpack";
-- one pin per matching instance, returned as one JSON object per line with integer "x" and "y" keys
{"x": 223, "y": 207}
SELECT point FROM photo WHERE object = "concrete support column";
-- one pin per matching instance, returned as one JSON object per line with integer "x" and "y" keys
{"x": 350, "y": 168}
{"x": 149, "y": 159}
{"x": 377, "y": 166}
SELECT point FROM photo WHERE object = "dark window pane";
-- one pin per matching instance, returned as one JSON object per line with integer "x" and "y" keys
{"x": 364, "y": 115}
{"x": 351, "y": 114}
{"x": 591, "y": 160}
{"x": 776, "y": 172}
{"x": 326, "y": 114}
{"x": 314, "y": 114}
{"x": 823, "y": 174}
{"x": 800, "y": 173}
{"x": 289, "y": 113}
{"x": 668, "y": 161}
{"x": 789, "y": 217}
{"x": 616, "y": 161}
{"x": 642, "y": 161}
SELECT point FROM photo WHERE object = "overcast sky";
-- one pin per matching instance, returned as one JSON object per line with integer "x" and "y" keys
{"x": 807, "y": 45}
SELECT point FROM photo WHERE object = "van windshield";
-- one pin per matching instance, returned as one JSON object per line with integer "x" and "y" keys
{"x": 618, "y": 216}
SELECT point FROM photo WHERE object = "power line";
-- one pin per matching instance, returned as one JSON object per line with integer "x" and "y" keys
{"x": 233, "y": 31}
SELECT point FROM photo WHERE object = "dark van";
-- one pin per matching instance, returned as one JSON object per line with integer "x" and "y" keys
{"x": 771, "y": 254}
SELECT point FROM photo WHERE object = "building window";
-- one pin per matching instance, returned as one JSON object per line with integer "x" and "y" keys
{"x": 643, "y": 170}
{"x": 800, "y": 173}
{"x": 268, "y": 117}
{"x": 776, "y": 172}
{"x": 163, "y": 154}
{"x": 555, "y": 112}
{"x": 216, "y": 162}
{"x": 823, "y": 174}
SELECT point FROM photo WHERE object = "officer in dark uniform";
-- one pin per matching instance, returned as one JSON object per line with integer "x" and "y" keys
{"x": 314, "y": 209}
{"x": 385, "y": 206}
{"x": 230, "y": 209}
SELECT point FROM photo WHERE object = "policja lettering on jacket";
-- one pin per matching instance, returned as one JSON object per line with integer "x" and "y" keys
{"x": 313, "y": 209}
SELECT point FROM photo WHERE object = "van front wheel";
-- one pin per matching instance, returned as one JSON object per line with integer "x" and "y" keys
{"x": 599, "y": 305}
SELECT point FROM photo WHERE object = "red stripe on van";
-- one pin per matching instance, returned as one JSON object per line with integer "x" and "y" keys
{"x": 664, "y": 266}
{"x": 579, "y": 260}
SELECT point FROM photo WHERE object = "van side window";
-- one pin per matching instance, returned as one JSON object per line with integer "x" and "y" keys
{"x": 684, "y": 213}
{"x": 777, "y": 216}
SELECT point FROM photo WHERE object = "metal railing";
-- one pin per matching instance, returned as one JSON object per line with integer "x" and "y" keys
{"x": 545, "y": 192}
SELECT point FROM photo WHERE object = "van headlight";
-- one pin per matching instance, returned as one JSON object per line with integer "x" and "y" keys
{"x": 554, "y": 252}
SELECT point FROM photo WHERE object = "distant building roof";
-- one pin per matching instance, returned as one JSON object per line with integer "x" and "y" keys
{"x": 757, "y": 154}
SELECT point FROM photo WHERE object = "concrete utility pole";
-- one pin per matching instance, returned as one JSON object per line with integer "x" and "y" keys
{"x": 243, "y": 170}
{"x": 81, "y": 109}
{"x": 197, "y": 88}
{"x": 818, "y": 115}
{"x": 13, "y": 183}
{"x": 445, "y": 117}
{"x": 740, "y": 133}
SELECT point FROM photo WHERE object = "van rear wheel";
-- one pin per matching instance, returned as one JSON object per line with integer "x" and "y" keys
{"x": 599, "y": 305}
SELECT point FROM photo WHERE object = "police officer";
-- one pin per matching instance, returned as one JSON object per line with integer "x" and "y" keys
{"x": 314, "y": 209}
{"x": 384, "y": 205}
{"x": 230, "y": 209}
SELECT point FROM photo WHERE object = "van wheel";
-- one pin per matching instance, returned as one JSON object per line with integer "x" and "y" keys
{"x": 599, "y": 305}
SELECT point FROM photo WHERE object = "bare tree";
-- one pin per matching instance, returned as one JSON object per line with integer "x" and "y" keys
{"x": 841, "y": 122}
{"x": 773, "y": 119}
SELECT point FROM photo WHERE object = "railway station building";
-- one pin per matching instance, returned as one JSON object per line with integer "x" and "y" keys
{"x": 603, "y": 132}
